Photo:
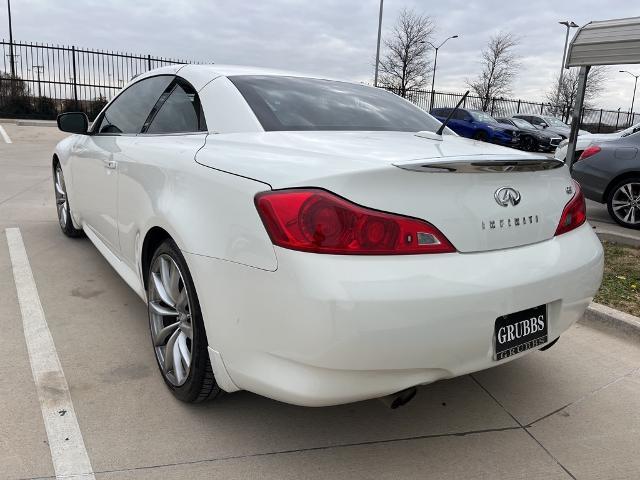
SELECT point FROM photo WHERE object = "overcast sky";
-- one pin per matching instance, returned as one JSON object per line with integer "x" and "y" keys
{"x": 334, "y": 37}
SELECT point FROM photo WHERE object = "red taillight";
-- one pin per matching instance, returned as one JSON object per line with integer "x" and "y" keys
{"x": 589, "y": 151}
{"x": 314, "y": 220}
{"x": 574, "y": 213}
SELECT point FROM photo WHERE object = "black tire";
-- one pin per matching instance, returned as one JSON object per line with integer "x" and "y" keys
{"x": 200, "y": 383}
{"x": 529, "y": 144}
{"x": 481, "y": 135}
{"x": 63, "y": 208}
{"x": 616, "y": 193}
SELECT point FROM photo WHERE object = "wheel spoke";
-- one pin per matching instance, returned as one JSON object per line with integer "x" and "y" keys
{"x": 187, "y": 329}
{"x": 629, "y": 216}
{"x": 161, "y": 337}
{"x": 63, "y": 211}
{"x": 162, "y": 293}
{"x": 618, "y": 204}
{"x": 182, "y": 301}
{"x": 168, "y": 352}
{"x": 626, "y": 189}
{"x": 184, "y": 350}
{"x": 161, "y": 310}
{"x": 178, "y": 369}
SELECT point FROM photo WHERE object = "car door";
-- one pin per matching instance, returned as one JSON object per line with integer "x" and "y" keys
{"x": 95, "y": 157}
{"x": 154, "y": 175}
{"x": 465, "y": 123}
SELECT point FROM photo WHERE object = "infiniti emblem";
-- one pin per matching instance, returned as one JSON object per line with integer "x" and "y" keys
{"x": 507, "y": 195}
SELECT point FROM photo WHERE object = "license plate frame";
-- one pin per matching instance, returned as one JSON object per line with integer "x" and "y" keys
{"x": 518, "y": 332}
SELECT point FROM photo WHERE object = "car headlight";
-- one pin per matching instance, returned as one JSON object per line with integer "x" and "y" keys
{"x": 563, "y": 143}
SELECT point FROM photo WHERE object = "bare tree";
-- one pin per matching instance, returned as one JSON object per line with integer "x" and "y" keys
{"x": 499, "y": 67}
{"x": 405, "y": 64}
{"x": 562, "y": 96}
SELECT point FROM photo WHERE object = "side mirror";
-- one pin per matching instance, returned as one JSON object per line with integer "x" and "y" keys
{"x": 73, "y": 122}
{"x": 544, "y": 125}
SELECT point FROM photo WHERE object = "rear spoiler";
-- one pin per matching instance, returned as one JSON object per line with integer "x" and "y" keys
{"x": 482, "y": 164}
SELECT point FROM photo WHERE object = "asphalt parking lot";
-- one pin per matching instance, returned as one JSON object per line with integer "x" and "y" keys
{"x": 569, "y": 412}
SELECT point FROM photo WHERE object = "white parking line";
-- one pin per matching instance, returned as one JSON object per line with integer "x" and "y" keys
{"x": 70, "y": 459}
{"x": 5, "y": 135}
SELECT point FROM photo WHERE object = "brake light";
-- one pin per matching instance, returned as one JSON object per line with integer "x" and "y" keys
{"x": 589, "y": 151}
{"x": 574, "y": 213}
{"x": 314, "y": 220}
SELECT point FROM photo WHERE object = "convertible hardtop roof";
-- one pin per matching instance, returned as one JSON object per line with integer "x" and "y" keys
{"x": 199, "y": 75}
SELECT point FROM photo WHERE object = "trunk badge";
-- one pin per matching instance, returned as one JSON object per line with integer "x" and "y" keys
{"x": 507, "y": 195}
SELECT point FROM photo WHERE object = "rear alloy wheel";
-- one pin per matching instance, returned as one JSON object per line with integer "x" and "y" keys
{"x": 62, "y": 204}
{"x": 624, "y": 203}
{"x": 481, "y": 136}
{"x": 177, "y": 330}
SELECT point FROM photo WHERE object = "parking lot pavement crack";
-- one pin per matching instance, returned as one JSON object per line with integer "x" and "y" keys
{"x": 524, "y": 428}
{"x": 17, "y": 194}
{"x": 297, "y": 450}
{"x": 585, "y": 396}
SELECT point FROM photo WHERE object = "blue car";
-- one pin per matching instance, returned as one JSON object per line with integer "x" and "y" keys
{"x": 479, "y": 126}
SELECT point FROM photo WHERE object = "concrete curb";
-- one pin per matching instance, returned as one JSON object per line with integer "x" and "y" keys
{"x": 601, "y": 315}
{"x": 29, "y": 123}
{"x": 621, "y": 238}
{"x": 36, "y": 123}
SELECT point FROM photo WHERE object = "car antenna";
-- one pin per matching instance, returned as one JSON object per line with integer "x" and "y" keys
{"x": 444, "y": 124}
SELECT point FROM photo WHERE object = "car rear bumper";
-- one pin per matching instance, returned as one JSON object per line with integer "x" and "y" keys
{"x": 593, "y": 181}
{"x": 330, "y": 329}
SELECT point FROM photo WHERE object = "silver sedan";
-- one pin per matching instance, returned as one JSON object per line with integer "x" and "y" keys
{"x": 609, "y": 172}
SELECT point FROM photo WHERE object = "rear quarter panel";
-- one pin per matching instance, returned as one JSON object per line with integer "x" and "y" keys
{"x": 207, "y": 212}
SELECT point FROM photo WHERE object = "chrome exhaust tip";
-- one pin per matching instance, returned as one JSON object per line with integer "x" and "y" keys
{"x": 398, "y": 399}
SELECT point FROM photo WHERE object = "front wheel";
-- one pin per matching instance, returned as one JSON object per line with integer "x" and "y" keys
{"x": 62, "y": 204}
{"x": 177, "y": 329}
{"x": 623, "y": 202}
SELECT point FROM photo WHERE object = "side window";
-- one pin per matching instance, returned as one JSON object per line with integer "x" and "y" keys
{"x": 181, "y": 112}
{"x": 131, "y": 108}
{"x": 460, "y": 115}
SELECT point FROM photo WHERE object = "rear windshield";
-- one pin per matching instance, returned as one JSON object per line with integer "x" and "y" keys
{"x": 293, "y": 103}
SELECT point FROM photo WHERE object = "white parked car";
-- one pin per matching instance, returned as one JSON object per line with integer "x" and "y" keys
{"x": 314, "y": 241}
{"x": 584, "y": 141}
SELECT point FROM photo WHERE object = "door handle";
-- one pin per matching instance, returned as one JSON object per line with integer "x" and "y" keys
{"x": 112, "y": 164}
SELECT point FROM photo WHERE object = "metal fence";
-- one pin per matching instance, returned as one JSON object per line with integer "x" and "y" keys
{"x": 45, "y": 80}
{"x": 593, "y": 120}
{"x": 41, "y": 80}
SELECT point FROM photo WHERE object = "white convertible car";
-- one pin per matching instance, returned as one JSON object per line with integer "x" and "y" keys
{"x": 316, "y": 241}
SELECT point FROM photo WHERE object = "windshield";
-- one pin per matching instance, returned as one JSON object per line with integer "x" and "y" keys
{"x": 632, "y": 129}
{"x": 294, "y": 103}
{"x": 522, "y": 123}
{"x": 554, "y": 122}
{"x": 482, "y": 117}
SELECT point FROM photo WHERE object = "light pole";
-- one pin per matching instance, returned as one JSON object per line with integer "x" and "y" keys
{"x": 375, "y": 77}
{"x": 569, "y": 24}
{"x": 435, "y": 64}
{"x": 633, "y": 99}
{"x": 11, "y": 59}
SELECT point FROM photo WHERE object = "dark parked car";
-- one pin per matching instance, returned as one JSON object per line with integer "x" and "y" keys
{"x": 531, "y": 138}
{"x": 548, "y": 123}
{"x": 478, "y": 125}
{"x": 609, "y": 172}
